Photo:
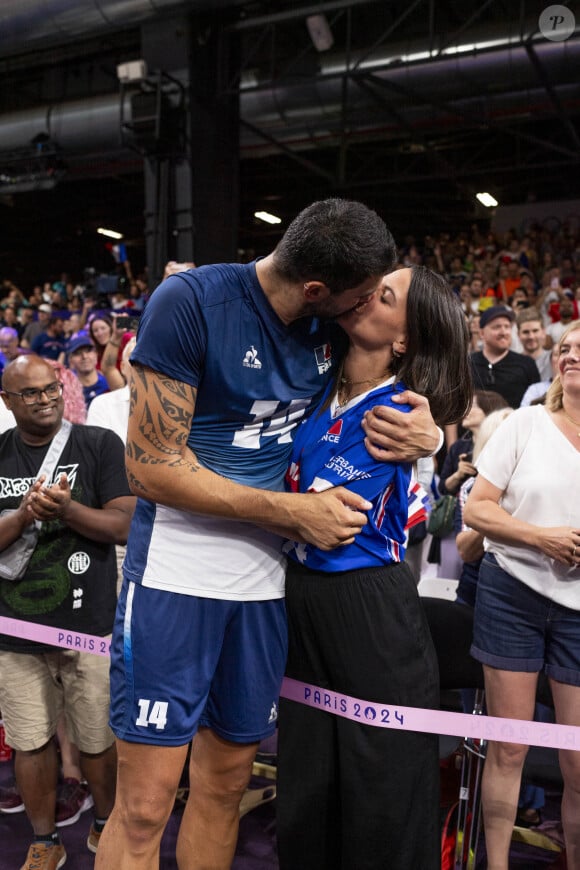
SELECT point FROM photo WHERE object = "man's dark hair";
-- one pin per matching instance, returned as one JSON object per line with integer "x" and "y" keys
{"x": 337, "y": 241}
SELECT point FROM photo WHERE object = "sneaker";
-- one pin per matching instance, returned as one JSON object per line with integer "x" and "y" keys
{"x": 10, "y": 800}
{"x": 73, "y": 798}
{"x": 44, "y": 856}
{"x": 93, "y": 839}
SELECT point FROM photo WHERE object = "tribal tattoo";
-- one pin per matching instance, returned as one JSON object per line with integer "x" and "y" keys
{"x": 165, "y": 409}
{"x": 157, "y": 435}
{"x": 135, "y": 483}
{"x": 177, "y": 413}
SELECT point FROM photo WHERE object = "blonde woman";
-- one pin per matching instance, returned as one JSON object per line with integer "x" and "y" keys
{"x": 527, "y": 613}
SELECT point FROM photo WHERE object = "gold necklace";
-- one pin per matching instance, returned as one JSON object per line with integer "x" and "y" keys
{"x": 347, "y": 393}
{"x": 568, "y": 417}
{"x": 366, "y": 381}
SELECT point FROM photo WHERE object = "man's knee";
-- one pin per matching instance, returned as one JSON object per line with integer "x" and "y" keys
{"x": 220, "y": 770}
{"x": 144, "y": 812}
{"x": 31, "y": 753}
{"x": 146, "y": 789}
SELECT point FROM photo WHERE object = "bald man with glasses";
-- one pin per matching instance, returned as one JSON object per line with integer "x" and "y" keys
{"x": 85, "y": 508}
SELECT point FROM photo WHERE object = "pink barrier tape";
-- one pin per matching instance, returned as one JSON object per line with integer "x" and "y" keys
{"x": 74, "y": 640}
{"x": 431, "y": 721}
{"x": 356, "y": 709}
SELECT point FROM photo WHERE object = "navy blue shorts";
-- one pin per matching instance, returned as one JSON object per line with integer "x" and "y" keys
{"x": 517, "y": 629}
{"x": 179, "y": 662}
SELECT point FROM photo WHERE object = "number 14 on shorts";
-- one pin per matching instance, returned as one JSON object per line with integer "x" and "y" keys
{"x": 152, "y": 713}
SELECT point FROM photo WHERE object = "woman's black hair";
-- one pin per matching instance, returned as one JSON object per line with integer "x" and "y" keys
{"x": 436, "y": 360}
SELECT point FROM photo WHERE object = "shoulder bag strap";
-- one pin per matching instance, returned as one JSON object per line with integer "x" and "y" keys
{"x": 54, "y": 453}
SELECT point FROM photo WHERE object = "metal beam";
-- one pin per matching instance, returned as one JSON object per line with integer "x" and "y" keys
{"x": 475, "y": 155}
{"x": 302, "y": 161}
{"x": 298, "y": 12}
{"x": 542, "y": 76}
{"x": 477, "y": 14}
{"x": 385, "y": 35}
{"x": 488, "y": 170}
{"x": 470, "y": 118}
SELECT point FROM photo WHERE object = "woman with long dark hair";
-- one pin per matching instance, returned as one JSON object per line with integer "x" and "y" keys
{"x": 101, "y": 332}
{"x": 352, "y": 795}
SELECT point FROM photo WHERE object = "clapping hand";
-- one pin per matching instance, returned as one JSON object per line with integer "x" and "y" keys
{"x": 51, "y": 502}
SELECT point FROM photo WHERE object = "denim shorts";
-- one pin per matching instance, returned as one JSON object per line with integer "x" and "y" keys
{"x": 517, "y": 629}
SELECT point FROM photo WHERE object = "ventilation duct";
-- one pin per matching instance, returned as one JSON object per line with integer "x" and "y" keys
{"x": 301, "y": 115}
{"x": 30, "y": 24}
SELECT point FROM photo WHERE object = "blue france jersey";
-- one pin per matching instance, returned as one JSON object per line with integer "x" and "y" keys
{"x": 328, "y": 451}
{"x": 214, "y": 329}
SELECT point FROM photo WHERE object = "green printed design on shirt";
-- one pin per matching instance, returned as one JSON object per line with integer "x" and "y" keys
{"x": 46, "y": 585}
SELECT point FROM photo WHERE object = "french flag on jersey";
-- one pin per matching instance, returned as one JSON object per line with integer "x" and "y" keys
{"x": 392, "y": 546}
{"x": 323, "y": 355}
{"x": 293, "y": 477}
{"x": 382, "y": 505}
{"x": 419, "y": 505}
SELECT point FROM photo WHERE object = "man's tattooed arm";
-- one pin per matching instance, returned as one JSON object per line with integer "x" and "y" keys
{"x": 161, "y": 468}
{"x": 160, "y": 414}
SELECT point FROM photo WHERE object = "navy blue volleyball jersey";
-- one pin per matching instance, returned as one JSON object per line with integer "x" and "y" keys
{"x": 213, "y": 328}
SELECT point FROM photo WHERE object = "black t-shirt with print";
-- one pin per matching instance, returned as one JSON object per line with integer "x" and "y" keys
{"x": 71, "y": 580}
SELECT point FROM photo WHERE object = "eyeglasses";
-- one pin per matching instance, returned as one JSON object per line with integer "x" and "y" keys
{"x": 490, "y": 374}
{"x": 33, "y": 397}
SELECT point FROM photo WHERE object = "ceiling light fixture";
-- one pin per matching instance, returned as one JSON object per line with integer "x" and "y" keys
{"x": 111, "y": 234}
{"x": 133, "y": 71}
{"x": 320, "y": 32}
{"x": 486, "y": 199}
{"x": 267, "y": 217}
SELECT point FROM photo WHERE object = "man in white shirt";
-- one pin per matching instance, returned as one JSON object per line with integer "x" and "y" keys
{"x": 7, "y": 420}
{"x": 111, "y": 411}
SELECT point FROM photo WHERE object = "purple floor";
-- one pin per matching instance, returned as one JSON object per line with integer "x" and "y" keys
{"x": 257, "y": 841}
{"x": 256, "y": 845}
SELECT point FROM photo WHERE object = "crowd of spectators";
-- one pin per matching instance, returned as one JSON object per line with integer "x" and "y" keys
{"x": 518, "y": 292}
{"x": 534, "y": 274}
{"x": 72, "y": 325}
{"x": 539, "y": 267}
{"x": 77, "y": 330}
